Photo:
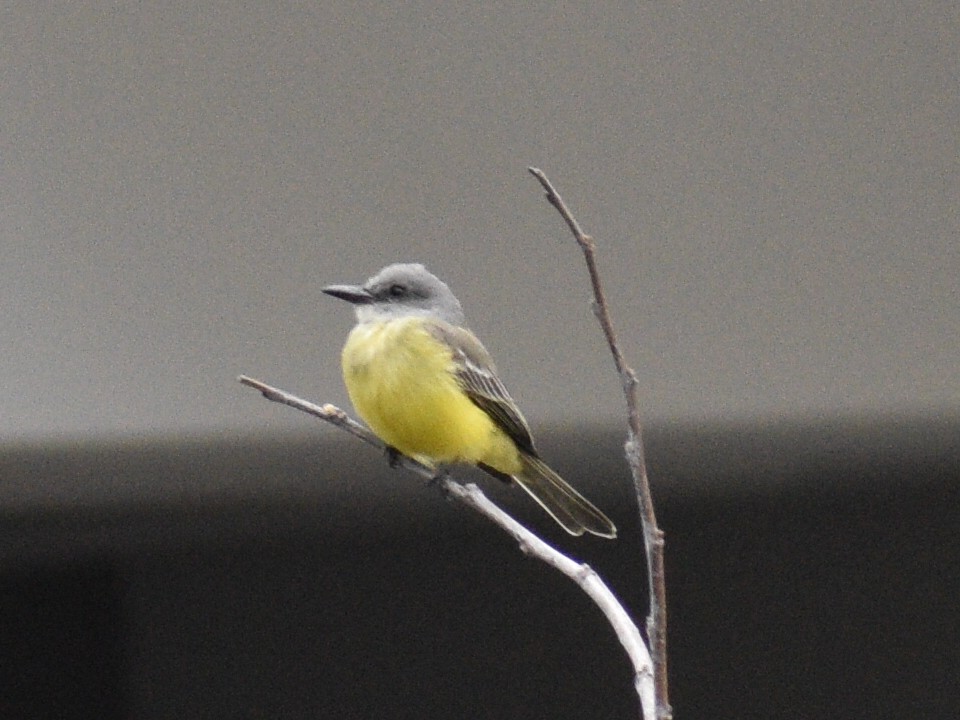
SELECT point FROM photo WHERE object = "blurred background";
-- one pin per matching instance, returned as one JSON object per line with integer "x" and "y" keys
{"x": 774, "y": 192}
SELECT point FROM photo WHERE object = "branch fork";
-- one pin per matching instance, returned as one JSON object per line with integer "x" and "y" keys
{"x": 650, "y": 665}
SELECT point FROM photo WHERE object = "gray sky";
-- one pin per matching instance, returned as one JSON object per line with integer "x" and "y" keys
{"x": 773, "y": 187}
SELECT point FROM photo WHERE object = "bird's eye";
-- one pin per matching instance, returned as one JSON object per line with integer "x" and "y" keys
{"x": 397, "y": 290}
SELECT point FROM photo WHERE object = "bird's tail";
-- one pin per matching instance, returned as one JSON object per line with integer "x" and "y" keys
{"x": 572, "y": 510}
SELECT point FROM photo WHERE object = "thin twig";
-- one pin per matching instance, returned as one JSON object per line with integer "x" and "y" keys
{"x": 652, "y": 535}
{"x": 471, "y": 496}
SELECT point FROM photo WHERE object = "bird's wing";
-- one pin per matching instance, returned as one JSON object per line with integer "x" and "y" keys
{"x": 478, "y": 378}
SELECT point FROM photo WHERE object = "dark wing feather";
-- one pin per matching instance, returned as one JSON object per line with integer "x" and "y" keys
{"x": 478, "y": 377}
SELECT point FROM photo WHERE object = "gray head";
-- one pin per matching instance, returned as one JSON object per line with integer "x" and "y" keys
{"x": 401, "y": 290}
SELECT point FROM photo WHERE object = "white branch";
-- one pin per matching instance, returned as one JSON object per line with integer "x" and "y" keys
{"x": 470, "y": 495}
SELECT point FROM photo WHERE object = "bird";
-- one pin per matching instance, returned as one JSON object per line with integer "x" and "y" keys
{"x": 427, "y": 387}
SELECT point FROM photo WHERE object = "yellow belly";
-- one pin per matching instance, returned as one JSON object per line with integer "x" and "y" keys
{"x": 401, "y": 381}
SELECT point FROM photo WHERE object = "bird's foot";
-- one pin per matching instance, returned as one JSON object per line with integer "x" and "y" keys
{"x": 393, "y": 456}
{"x": 438, "y": 480}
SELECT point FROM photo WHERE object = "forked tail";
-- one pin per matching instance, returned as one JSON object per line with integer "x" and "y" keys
{"x": 569, "y": 508}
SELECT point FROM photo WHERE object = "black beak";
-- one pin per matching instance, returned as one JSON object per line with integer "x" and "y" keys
{"x": 353, "y": 294}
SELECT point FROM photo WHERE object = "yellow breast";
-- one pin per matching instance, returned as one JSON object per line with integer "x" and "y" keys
{"x": 402, "y": 382}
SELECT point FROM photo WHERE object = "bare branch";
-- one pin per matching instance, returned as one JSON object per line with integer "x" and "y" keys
{"x": 334, "y": 415}
{"x": 530, "y": 544}
{"x": 652, "y": 535}
{"x": 650, "y": 673}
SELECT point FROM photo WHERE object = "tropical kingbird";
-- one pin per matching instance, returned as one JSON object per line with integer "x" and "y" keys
{"x": 427, "y": 387}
